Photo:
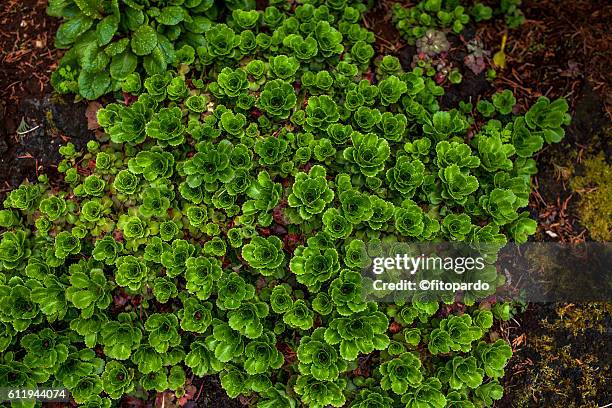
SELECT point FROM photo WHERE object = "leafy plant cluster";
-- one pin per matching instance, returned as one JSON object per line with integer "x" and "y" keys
{"x": 450, "y": 15}
{"x": 107, "y": 40}
{"x": 222, "y": 223}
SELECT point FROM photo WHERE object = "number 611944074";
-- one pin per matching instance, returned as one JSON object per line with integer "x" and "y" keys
{"x": 38, "y": 394}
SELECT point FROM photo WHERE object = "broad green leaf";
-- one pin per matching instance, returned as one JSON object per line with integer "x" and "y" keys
{"x": 224, "y": 352}
{"x": 117, "y": 47}
{"x": 553, "y": 135}
{"x": 198, "y": 25}
{"x": 167, "y": 48}
{"x": 155, "y": 63}
{"x": 348, "y": 350}
{"x": 93, "y": 85}
{"x": 56, "y": 8}
{"x": 90, "y": 340}
{"x": 68, "y": 32}
{"x": 84, "y": 42}
{"x": 79, "y": 280}
{"x": 20, "y": 324}
{"x": 83, "y": 299}
{"x": 93, "y": 59}
{"x": 171, "y": 15}
{"x": 91, "y": 8}
{"x": 123, "y": 64}
{"x": 132, "y": 19}
{"x": 144, "y": 40}
{"x": 332, "y": 336}
{"x": 106, "y": 29}
{"x": 133, "y": 4}
{"x": 380, "y": 341}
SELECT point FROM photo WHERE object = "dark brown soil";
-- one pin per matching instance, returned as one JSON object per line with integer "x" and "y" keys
{"x": 207, "y": 394}
{"x": 27, "y": 60}
{"x": 50, "y": 123}
{"x": 562, "y": 357}
{"x": 553, "y": 202}
{"x": 563, "y": 45}
{"x": 563, "y": 50}
{"x": 27, "y": 54}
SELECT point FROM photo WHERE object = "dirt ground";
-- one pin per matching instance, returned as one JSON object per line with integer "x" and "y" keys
{"x": 33, "y": 122}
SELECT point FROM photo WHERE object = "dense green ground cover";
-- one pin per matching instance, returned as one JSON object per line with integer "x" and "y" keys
{"x": 258, "y": 161}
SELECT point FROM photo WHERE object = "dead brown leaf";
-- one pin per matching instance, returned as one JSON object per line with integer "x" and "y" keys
{"x": 91, "y": 115}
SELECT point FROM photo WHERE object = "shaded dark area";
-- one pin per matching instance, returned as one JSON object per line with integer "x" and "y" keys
{"x": 27, "y": 55}
{"x": 202, "y": 393}
{"x": 562, "y": 356}
{"x": 213, "y": 395}
{"x": 49, "y": 123}
{"x": 553, "y": 202}
{"x": 32, "y": 123}
{"x": 562, "y": 46}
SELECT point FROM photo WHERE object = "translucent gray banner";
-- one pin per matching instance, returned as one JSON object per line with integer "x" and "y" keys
{"x": 451, "y": 271}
